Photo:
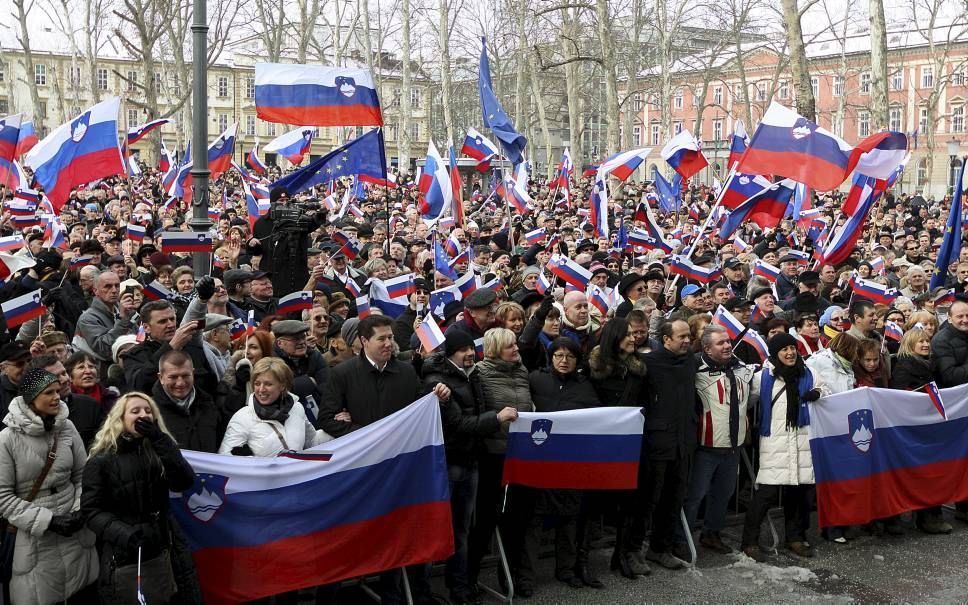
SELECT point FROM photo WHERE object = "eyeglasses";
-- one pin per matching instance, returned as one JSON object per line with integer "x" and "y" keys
{"x": 838, "y": 319}
{"x": 563, "y": 357}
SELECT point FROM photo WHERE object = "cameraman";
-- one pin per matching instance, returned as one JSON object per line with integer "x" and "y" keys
{"x": 282, "y": 238}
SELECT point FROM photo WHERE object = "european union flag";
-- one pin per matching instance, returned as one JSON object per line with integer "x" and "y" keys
{"x": 495, "y": 118}
{"x": 363, "y": 157}
{"x": 668, "y": 192}
{"x": 951, "y": 245}
{"x": 442, "y": 261}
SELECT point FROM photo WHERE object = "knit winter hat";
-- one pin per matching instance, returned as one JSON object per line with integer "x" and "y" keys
{"x": 35, "y": 381}
{"x": 457, "y": 340}
{"x": 780, "y": 342}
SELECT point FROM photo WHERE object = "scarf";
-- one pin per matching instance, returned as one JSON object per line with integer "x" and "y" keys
{"x": 278, "y": 410}
{"x": 797, "y": 381}
{"x": 93, "y": 392}
{"x": 830, "y": 331}
{"x": 183, "y": 404}
{"x": 727, "y": 369}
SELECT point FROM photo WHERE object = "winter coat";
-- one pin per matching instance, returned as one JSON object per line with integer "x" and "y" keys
{"x": 465, "y": 420}
{"x": 195, "y": 429}
{"x": 403, "y": 328}
{"x": 127, "y": 491}
{"x": 617, "y": 385}
{"x": 671, "y": 406}
{"x": 713, "y": 388}
{"x": 366, "y": 393}
{"x": 87, "y": 415}
{"x": 310, "y": 392}
{"x": 911, "y": 372}
{"x": 784, "y": 453}
{"x": 949, "y": 356}
{"x": 97, "y": 329}
{"x": 8, "y": 392}
{"x": 554, "y": 392}
{"x": 829, "y": 373}
{"x": 587, "y": 335}
{"x": 268, "y": 438}
{"x": 47, "y": 567}
{"x": 141, "y": 365}
{"x": 503, "y": 384}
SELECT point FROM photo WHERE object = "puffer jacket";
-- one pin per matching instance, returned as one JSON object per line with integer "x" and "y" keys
{"x": 911, "y": 372}
{"x": 784, "y": 453}
{"x": 502, "y": 384}
{"x": 617, "y": 385}
{"x": 47, "y": 567}
{"x": 126, "y": 491}
{"x": 829, "y": 374}
{"x": 465, "y": 420}
{"x": 713, "y": 387}
{"x": 267, "y": 438}
{"x": 949, "y": 356}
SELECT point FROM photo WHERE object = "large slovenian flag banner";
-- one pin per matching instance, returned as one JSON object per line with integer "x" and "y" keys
{"x": 684, "y": 154}
{"x": 263, "y": 526}
{"x": 78, "y": 152}
{"x": 316, "y": 95}
{"x": 788, "y": 144}
{"x": 881, "y": 452}
{"x": 9, "y": 135}
{"x": 292, "y": 145}
{"x": 597, "y": 448}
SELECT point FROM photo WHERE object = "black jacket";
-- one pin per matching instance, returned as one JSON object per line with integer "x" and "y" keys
{"x": 198, "y": 428}
{"x": 87, "y": 415}
{"x": 311, "y": 366}
{"x": 910, "y": 373}
{"x": 949, "y": 355}
{"x": 8, "y": 391}
{"x": 464, "y": 418}
{"x": 366, "y": 393}
{"x": 553, "y": 392}
{"x": 403, "y": 328}
{"x": 670, "y": 404}
{"x": 617, "y": 384}
{"x": 141, "y": 365}
{"x": 127, "y": 491}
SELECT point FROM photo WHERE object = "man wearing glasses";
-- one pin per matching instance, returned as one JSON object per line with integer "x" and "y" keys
{"x": 310, "y": 370}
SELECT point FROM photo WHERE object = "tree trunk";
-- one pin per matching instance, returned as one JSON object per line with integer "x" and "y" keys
{"x": 806, "y": 103}
{"x": 879, "y": 99}
{"x": 446, "y": 91}
{"x": 521, "y": 6}
{"x": 31, "y": 82}
{"x": 611, "y": 76}
{"x": 404, "y": 134}
{"x": 570, "y": 28}
{"x": 539, "y": 102}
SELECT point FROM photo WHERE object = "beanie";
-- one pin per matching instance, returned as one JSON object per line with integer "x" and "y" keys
{"x": 35, "y": 381}
{"x": 350, "y": 330}
{"x": 456, "y": 340}
{"x": 780, "y": 342}
{"x": 275, "y": 193}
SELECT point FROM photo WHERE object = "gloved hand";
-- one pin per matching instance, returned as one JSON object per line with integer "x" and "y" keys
{"x": 135, "y": 540}
{"x": 811, "y": 395}
{"x": 242, "y": 450}
{"x": 205, "y": 288}
{"x": 546, "y": 305}
{"x": 149, "y": 429}
{"x": 63, "y": 525}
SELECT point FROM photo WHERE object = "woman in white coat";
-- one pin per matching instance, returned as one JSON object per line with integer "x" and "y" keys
{"x": 273, "y": 421}
{"x": 54, "y": 556}
{"x": 782, "y": 390}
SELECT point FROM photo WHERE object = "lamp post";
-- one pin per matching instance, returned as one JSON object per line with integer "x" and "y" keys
{"x": 201, "y": 263}
{"x": 953, "y": 164}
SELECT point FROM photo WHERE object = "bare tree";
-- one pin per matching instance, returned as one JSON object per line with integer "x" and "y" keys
{"x": 23, "y": 8}
{"x": 792, "y": 16}
{"x": 878, "y": 34}
{"x": 611, "y": 75}
{"x": 406, "y": 84}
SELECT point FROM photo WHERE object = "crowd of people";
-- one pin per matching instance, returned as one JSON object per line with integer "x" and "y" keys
{"x": 101, "y": 392}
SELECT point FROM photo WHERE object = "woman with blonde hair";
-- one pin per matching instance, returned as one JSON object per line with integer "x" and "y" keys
{"x": 927, "y": 320}
{"x": 133, "y": 465}
{"x": 273, "y": 420}
{"x": 510, "y": 315}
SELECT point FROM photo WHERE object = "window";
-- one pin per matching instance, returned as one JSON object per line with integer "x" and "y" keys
{"x": 415, "y": 99}
{"x": 271, "y": 129}
{"x": 223, "y": 86}
{"x": 676, "y": 127}
{"x": 157, "y": 83}
{"x": 923, "y": 122}
{"x": 415, "y": 131}
{"x": 4, "y": 106}
{"x": 958, "y": 119}
{"x": 250, "y": 88}
{"x": 958, "y": 77}
{"x": 717, "y": 130}
{"x": 637, "y": 102}
{"x": 761, "y": 91}
{"x": 395, "y": 101}
{"x": 655, "y": 134}
{"x": 739, "y": 94}
{"x": 636, "y": 135}
{"x": 863, "y": 123}
{"x": 922, "y": 175}
{"x": 838, "y": 86}
{"x": 718, "y": 95}
{"x": 865, "y": 83}
{"x": 40, "y": 74}
{"x": 223, "y": 122}
{"x": 784, "y": 92}
{"x": 3, "y": 72}
{"x": 392, "y": 132}
{"x": 43, "y": 109}
{"x": 815, "y": 86}
{"x": 677, "y": 101}
{"x": 927, "y": 76}
{"x": 132, "y": 81}
{"x": 894, "y": 119}
{"x": 132, "y": 118}
{"x": 74, "y": 76}
{"x": 102, "y": 78}
{"x": 897, "y": 79}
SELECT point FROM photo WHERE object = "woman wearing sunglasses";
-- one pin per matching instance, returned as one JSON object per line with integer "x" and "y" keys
{"x": 832, "y": 322}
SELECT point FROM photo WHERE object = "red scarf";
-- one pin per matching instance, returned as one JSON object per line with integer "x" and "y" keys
{"x": 93, "y": 392}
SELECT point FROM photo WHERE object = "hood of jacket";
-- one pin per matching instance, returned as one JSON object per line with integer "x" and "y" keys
{"x": 21, "y": 417}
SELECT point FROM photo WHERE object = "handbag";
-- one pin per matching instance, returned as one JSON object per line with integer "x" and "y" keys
{"x": 9, "y": 538}
{"x": 157, "y": 580}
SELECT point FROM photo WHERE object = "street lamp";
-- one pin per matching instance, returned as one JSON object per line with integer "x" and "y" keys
{"x": 199, "y": 222}
{"x": 953, "y": 163}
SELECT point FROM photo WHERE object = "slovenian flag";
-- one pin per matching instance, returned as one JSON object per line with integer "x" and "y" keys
{"x": 362, "y": 307}
{"x": 254, "y": 525}
{"x": 156, "y": 291}
{"x": 9, "y": 135}
{"x": 684, "y": 154}
{"x": 136, "y": 133}
{"x": 27, "y": 139}
{"x": 429, "y": 333}
{"x": 293, "y": 145}
{"x": 893, "y": 331}
{"x": 400, "y": 286}
{"x": 316, "y": 95}
{"x": 435, "y": 189}
{"x": 569, "y": 271}
{"x": 466, "y": 284}
{"x": 78, "y": 152}
{"x": 135, "y": 232}
{"x": 479, "y": 147}
{"x": 597, "y": 448}
{"x": 23, "y": 308}
{"x": 622, "y": 165}
{"x": 682, "y": 266}
{"x": 533, "y": 237}
{"x": 11, "y": 243}
{"x": 190, "y": 241}
{"x": 294, "y": 303}
{"x": 766, "y": 270}
{"x": 254, "y": 163}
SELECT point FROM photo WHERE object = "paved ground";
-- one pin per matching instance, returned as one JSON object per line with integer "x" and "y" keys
{"x": 914, "y": 568}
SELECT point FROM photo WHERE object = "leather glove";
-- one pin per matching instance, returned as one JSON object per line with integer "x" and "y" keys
{"x": 205, "y": 288}
{"x": 135, "y": 540}
{"x": 242, "y": 450}
{"x": 63, "y": 525}
{"x": 149, "y": 430}
{"x": 811, "y": 395}
{"x": 546, "y": 305}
